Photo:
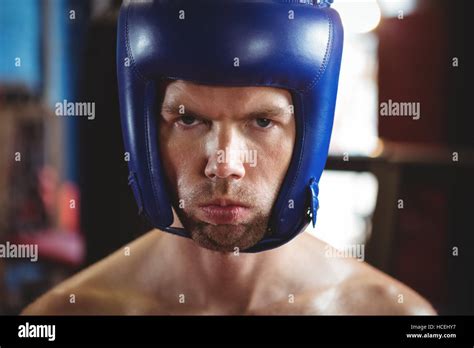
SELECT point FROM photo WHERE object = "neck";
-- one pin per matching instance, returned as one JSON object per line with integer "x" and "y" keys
{"x": 214, "y": 279}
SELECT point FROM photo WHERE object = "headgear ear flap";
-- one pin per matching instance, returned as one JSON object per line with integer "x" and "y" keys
{"x": 299, "y": 48}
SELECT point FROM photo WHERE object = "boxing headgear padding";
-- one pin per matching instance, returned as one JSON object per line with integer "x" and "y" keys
{"x": 290, "y": 44}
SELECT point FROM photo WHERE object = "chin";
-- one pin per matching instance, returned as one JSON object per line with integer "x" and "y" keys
{"x": 227, "y": 238}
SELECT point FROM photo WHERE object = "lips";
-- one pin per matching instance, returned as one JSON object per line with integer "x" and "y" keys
{"x": 224, "y": 212}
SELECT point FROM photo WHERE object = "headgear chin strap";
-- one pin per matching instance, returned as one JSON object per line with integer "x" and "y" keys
{"x": 290, "y": 44}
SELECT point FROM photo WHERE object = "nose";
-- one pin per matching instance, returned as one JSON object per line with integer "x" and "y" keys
{"x": 224, "y": 159}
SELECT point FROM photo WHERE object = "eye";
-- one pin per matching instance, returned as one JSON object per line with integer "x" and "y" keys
{"x": 263, "y": 122}
{"x": 187, "y": 120}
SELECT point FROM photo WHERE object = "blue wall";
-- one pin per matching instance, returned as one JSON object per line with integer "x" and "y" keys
{"x": 64, "y": 57}
{"x": 50, "y": 45}
{"x": 20, "y": 24}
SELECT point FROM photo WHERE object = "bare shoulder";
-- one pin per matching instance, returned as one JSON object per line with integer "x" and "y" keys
{"x": 354, "y": 287}
{"x": 367, "y": 292}
{"x": 80, "y": 301}
{"x": 87, "y": 292}
{"x": 105, "y": 287}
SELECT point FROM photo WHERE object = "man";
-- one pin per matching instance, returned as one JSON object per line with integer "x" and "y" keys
{"x": 225, "y": 202}
{"x": 227, "y": 109}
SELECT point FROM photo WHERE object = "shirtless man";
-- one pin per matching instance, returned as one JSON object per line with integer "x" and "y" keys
{"x": 228, "y": 204}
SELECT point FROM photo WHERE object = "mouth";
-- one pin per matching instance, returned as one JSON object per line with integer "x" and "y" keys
{"x": 224, "y": 212}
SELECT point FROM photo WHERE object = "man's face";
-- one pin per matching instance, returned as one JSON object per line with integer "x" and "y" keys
{"x": 225, "y": 151}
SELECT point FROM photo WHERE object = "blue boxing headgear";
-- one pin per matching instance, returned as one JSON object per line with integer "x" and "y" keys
{"x": 290, "y": 44}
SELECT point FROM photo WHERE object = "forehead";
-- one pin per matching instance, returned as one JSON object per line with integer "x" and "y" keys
{"x": 215, "y": 97}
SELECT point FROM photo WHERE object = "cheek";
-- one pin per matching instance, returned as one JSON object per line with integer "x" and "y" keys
{"x": 274, "y": 157}
{"x": 181, "y": 159}
{"x": 273, "y": 161}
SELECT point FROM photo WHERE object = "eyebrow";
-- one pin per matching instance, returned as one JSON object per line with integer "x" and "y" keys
{"x": 263, "y": 112}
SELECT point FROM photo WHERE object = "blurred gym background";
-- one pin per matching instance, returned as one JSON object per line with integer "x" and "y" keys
{"x": 401, "y": 187}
